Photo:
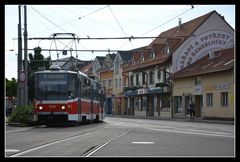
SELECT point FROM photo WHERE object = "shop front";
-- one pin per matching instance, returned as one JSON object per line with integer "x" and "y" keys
{"x": 149, "y": 102}
{"x": 185, "y": 91}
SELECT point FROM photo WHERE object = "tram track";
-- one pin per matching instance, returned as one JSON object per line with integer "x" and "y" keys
{"x": 98, "y": 147}
{"x": 89, "y": 150}
{"x": 55, "y": 142}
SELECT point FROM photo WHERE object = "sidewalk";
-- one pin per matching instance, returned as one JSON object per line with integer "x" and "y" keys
{"x": 175, "y": 119}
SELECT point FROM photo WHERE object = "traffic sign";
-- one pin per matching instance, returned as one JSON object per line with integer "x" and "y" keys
{"x": 22, "y": 76}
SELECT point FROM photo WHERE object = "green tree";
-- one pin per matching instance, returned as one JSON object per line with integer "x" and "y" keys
{"x": 11, "y": 87}
{"x": 36, "y": 62}
{"x": 22, "y": 114}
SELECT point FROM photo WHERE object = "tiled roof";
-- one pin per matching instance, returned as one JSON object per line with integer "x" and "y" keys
{"x": 65, "y": 63}
{"x": 186, "y": 29}
{"x": 125, "y": 55}
{"x": 61, "y": 62}
{"x": 87, "y": 69}
{"x": 112, "y": 56}
{"x": 223, "y": 60}
{"x": 172, "y": 38}
{"x": 100, "y": 59}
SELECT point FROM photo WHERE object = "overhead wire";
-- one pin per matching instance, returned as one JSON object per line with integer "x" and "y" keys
{"x": 48, "y": 19}
{"x": 160, "y": 25}
{"x": 117, "y": 20}
{"x": 114, "y": 18}
{"x": 119, "y": 24}
{"x": 81, "y": 18}
{"x": 167, "y": 21}
{"x": 39, "y": 20}
{"x": 93, "y": 12}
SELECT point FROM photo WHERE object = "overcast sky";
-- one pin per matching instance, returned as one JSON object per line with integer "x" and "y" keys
{"x": 97, "y": 21}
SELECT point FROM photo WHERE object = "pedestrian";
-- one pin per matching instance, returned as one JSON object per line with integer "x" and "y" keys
{"x": 192, "y": 110}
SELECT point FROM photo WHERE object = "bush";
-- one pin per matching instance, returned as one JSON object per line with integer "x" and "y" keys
{"x": 22, "y": 115}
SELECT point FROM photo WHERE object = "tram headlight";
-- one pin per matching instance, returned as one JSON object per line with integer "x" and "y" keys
{"x": 40, "y": 107}
{"x": 63, "y": 107}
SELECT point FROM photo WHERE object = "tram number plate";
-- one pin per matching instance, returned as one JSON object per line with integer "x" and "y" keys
{"x": 52, "y": 106}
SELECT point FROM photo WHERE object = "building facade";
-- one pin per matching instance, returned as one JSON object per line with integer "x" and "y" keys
{"x": 209, "y": 83}
{"x": 97, "y": 64}
{"x": 149, "y": 73}
{"x": 149, "y": 92}
{"x": 106, "y": 79}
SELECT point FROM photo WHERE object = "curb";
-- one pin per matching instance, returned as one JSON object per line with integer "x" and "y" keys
{"x": 176, "y": 119}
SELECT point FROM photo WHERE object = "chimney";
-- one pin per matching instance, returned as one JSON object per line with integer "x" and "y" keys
{"x": 179, "y": 23}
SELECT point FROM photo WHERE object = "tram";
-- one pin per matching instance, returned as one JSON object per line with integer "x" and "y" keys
{"x": 66, "y": 96}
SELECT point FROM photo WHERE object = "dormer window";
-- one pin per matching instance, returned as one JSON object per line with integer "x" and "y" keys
{"x": 167, "y": 49}
{"x": 133, "y": 61}
{"x": 142, "y": 57}
{"x": 152, "y": 54}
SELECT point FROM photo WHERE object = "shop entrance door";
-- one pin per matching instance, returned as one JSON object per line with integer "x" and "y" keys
{"x": 198, "y": 105}
{"x": 187, "y": 102}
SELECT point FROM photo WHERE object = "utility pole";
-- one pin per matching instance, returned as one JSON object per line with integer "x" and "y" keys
{"x": 25, "y": 57}
{"x": 22, "y": 87}
{"x": 19, "y": 84}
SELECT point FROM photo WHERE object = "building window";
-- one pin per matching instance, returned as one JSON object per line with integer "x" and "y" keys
{"x": 151, "y": 77}
{"x": 152, "y": 54}
{"x": 120, "y": 82}
{"x": 224, "y": 99}
{"x": 133, "y": 61}
{"x": 198, "y": 81}
{"x": 178, "y": 104}
{"x": 142, "y": 57}
{"x": 104, "y": 83}
{"x": 165, "y": 103}
{"x": 117, "y": 67}
{"x": 167, "y": 49}
{"x": 109, "y": 83}
{"x": 137, "y": 80}
{"x": 125, "y": 80}
{"x": 143, "y": 78}
{"x": 116, "y": 83}
{"x": 159, "y": 74}
{"x": 209, "y": 99}
{"x": 131, "y": 80}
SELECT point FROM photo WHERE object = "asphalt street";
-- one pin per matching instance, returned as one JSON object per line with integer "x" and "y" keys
{"x": 123, "y": 137}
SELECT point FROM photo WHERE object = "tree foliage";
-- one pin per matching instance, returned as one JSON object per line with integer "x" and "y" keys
{"x": 22, "y": 114}
{"x": 11, "y": 87}
{"x": 36, "y": 62}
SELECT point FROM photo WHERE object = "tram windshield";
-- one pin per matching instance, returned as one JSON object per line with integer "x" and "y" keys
{"x": 52, "y": 86}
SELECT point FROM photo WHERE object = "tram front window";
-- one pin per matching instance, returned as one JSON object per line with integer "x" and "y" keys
{"x": 51, "y": 87}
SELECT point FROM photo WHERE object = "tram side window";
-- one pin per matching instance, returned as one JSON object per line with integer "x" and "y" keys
{"x": 86, "y": 89}
{"x": 72, "y": 86}
{"x": 95, "y": 91}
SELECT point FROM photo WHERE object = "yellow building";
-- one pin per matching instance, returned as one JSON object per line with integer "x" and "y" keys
{"x": 209, "y": 83}
{"x": 106, "y": 78}
{"x": 120, "y": 81}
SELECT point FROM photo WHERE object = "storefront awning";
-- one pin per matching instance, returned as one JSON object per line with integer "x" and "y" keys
{"x": 130, "y": 93}
{"x": 145, "y": 91}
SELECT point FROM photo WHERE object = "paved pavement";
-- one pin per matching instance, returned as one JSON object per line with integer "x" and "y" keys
{"x": 176, "y": 119}
{"x": 163, "y": 118}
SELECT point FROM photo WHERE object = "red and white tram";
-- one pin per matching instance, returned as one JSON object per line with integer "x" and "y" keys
{"x": 62, "y": 95}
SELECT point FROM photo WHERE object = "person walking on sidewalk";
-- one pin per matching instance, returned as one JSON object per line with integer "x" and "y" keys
{"x": 192, "y": 110}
